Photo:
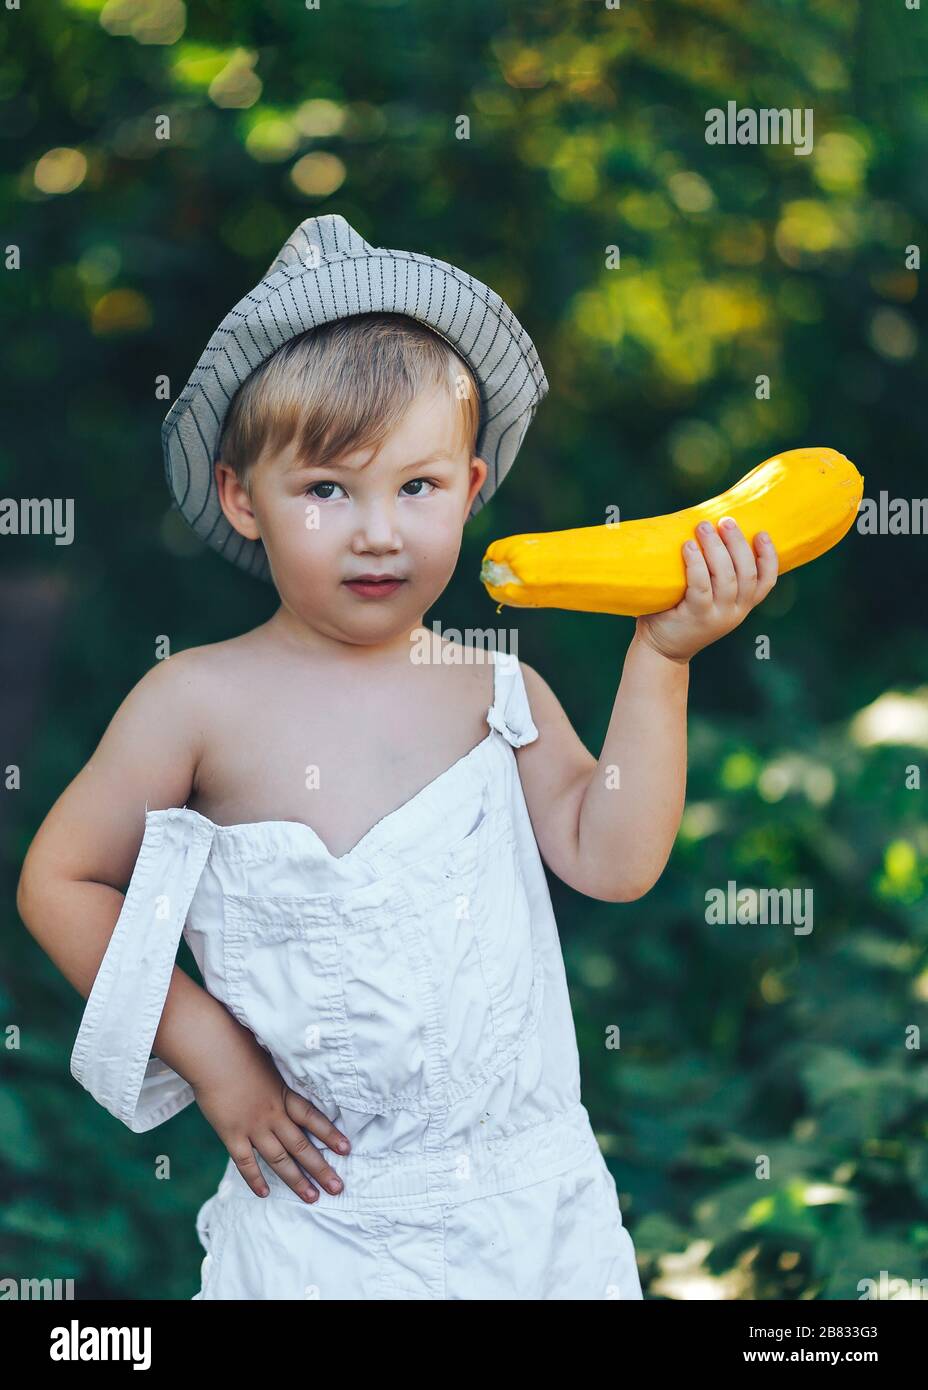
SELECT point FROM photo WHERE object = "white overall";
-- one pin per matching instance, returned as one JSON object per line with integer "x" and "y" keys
{"x": 414, "y": 990}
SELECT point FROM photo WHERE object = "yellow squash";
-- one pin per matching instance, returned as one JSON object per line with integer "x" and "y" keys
{"x": 805, "y": 498}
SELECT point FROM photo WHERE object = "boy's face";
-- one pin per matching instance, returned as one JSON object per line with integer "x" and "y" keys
{"x": 402, "y": 514}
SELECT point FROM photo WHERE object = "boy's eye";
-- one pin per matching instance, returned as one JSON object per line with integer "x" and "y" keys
{"x": 326, "y": 496}
{"x": 323, "y": 497}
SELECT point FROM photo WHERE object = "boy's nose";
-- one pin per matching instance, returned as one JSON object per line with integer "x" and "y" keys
{"x": 378, "y": 526}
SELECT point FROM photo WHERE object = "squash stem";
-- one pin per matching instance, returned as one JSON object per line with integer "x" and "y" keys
{"x": 497, "y": 575}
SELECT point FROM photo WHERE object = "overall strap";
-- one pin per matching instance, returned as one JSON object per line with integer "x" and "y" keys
{"x": 509, "y": 713}
{"x": 111, "y": 1057}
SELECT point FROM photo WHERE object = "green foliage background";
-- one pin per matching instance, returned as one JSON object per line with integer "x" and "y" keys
{"x": 586, "y": 130}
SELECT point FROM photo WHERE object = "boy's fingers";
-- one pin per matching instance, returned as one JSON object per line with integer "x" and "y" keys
{"x": 698, "y": 583}
{"x": 742, "y": 557}
{"x": 275, "y": 1156}
{"x": 308, "y": 1155}
{"x": 768, "y": 566}
{"x": 724, "y": 579}
{"x": 273, "y": 1150}
{"x": 303, "y": 1112}
{"x": 247, "y": 1165}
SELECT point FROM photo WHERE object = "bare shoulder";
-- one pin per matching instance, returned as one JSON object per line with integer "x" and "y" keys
{"x": 555, "y": 770}
{"x": 536, "y": 687}
{"x": 473, "y": 666}
{"x": 207, "y": 662}
{"x": 145, "y": 760}
{"x": 173, "y": 693}
{"x": 191, "y": 679}
{"x": 547, "y": 712}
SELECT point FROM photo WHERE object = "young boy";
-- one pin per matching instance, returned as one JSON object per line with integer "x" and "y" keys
{"x": 384, "y": 1043}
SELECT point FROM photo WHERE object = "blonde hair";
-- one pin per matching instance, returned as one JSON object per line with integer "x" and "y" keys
{"x": 342, "y": 387}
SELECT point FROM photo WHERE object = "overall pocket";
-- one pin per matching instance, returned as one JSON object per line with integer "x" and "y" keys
{"x": 407, "y": 993}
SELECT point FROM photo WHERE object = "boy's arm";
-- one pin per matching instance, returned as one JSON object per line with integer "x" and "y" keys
{"x": 607, "y": 827}
{"x": 72, "y": 882}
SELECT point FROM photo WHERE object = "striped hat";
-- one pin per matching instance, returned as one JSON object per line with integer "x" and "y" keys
{"x": 326, "y": 271}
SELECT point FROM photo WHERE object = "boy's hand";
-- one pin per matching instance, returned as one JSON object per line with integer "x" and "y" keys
{"x": 724, "y": 581}
{"x": 250, "y": 1106}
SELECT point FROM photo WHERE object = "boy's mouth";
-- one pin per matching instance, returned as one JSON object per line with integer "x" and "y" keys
{"x": 374, "y": 586}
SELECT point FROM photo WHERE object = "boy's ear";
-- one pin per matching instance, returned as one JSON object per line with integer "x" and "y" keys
{"x": 235, "y": 502}
{"x": 478, "y": 476}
